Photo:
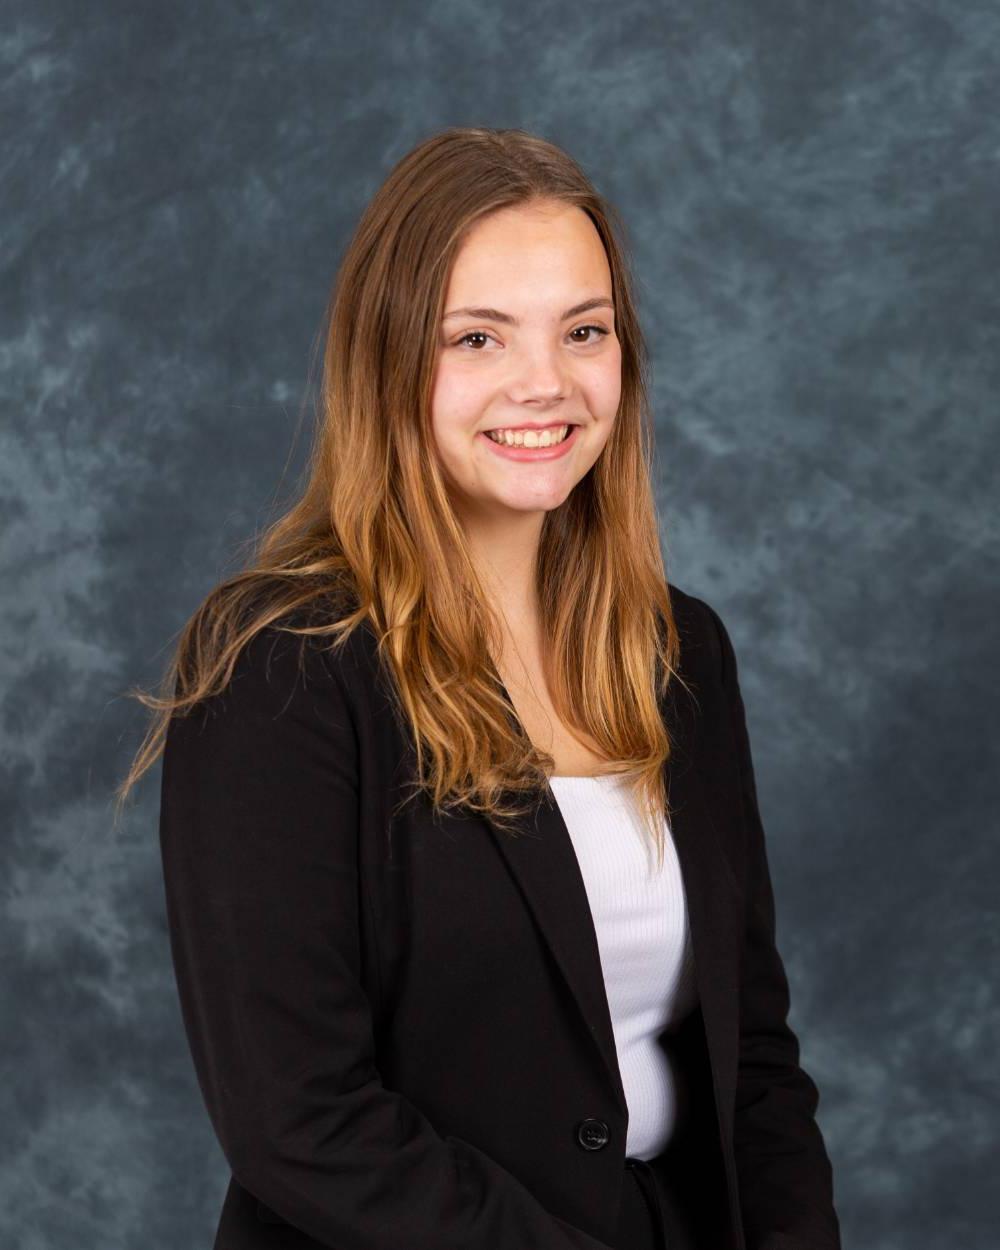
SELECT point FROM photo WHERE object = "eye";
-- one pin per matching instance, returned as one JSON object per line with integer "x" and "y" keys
{"x": 481, "y": 334}
{"x": 600, "y": 330}
{"x": 472, "y": 334}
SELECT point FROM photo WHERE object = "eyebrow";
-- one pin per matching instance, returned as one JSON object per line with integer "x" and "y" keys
{"x": 494, "y": 314}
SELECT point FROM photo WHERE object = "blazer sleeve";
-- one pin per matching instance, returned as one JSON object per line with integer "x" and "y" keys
{"x": 259, "y": 829}
{"x": 785, "y": 1175}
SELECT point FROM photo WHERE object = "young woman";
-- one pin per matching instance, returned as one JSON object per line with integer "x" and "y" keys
{"x": 439, "y": 992}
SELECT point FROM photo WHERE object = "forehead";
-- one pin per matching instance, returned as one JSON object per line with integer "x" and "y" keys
{"x": 520, "y": 256}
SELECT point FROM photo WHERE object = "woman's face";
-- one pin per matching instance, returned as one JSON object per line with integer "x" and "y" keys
{"x": 518, "y": 348}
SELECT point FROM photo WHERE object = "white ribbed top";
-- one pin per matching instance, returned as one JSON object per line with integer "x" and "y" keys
{"x": 640, "y": 916}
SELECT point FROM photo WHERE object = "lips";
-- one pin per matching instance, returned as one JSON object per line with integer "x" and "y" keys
{"x": 519, "y": 452}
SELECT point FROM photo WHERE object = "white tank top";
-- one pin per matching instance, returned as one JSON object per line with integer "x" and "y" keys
{"x": 641, "y": 919}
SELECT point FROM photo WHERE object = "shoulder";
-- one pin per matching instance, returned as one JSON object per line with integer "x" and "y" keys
{"x": 283, "y": 717}
{"x": 276, "y": 675}
{"x": 704, "y": 642}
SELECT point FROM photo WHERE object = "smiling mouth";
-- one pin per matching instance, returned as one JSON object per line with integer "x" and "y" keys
{"x": 548, "y": 436}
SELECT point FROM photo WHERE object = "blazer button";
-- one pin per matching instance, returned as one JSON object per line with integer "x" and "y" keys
{"x": 592, "y": 1134}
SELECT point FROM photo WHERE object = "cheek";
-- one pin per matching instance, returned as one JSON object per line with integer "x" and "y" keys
{"x": 604, "y": 385}
{"x": 603, "y": 396}
{"x": 604, "y": 408}
{"x": 456, "y": 410}
{"x": 457, "y": 397}
{"x": 615, "y": 381}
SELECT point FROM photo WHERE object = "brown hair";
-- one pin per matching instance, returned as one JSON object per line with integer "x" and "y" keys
{"x": 373, "y": 517}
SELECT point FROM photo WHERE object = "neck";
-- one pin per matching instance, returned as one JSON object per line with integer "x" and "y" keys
{"x": 505, "y": 551}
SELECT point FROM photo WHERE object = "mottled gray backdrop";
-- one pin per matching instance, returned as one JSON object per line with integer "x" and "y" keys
{"x": 812, "y": 195}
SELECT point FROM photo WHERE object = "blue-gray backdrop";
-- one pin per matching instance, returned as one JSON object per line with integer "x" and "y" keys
{"x": 812, "y": 195}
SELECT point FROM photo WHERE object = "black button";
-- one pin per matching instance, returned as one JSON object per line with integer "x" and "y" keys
{"x": 592, "y": 1134}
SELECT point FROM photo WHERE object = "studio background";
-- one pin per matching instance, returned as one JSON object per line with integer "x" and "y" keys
{"x": 811, "y": 193}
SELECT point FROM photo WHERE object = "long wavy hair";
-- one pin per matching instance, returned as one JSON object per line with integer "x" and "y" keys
{"x": 372, "y": 538}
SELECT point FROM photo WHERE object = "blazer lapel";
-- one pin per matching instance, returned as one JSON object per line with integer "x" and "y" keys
{"x": 542, "y": 859}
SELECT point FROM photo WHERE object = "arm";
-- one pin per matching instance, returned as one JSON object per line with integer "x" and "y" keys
{"x": 258, "y": 831}
{"x": 785, "y": 1176}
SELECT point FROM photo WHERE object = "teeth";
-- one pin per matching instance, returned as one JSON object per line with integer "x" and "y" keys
{"x": 529, "y": 438}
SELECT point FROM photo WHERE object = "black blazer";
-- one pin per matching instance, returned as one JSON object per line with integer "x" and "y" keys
{"x": 399, "y": 1026}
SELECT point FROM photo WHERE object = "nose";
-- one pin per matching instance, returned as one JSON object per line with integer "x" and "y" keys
{"x": 539, "y": 376}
